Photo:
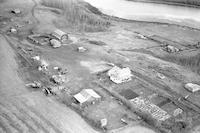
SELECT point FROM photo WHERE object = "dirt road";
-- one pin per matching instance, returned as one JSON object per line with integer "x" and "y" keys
{"x": 23, "y": 111}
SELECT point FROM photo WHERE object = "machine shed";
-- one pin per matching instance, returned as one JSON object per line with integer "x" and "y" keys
{"x": 60, "y": 35}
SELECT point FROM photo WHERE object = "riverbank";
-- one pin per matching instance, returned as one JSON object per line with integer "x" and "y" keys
{"x": 149, "y": 12}
{"x": 186, "y": 3}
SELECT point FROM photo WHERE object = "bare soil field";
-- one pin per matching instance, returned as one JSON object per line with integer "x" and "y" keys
{"x": 23, "y": 110}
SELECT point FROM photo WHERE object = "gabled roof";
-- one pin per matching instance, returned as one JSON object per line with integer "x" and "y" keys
{"x": 86, "y": 95}
{"x": 192, "y": 87}
{"x": 59, "y": 34}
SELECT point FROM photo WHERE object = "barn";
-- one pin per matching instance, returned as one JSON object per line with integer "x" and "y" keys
{"x": 60, "y": 35}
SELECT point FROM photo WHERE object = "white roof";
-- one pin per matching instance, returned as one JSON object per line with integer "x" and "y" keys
{"x": 92, "y": 93}
{"x": 17, "y": 11}
{"x": 119, "y": 75}
{"x": 192, "y": 87}
{"x": 85, "y": 95}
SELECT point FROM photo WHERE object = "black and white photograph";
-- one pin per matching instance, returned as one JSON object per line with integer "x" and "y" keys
{"x": 99, "y": 66}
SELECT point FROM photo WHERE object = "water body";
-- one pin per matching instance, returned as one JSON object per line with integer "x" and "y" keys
{"x": 149, "y": 11}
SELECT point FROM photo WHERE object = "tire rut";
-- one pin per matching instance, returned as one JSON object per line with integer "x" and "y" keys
{"x": 2, "y": 130}
{"x": 25, "y": 118}
{"x": 8, "y": 128}
{"x": 38, "y": 119}
{"x": 44, "y": 119}
{"x": 14, "y": 121}
{"x": 28, "y": 124}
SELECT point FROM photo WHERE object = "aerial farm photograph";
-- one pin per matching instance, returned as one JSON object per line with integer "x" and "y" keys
{"x": 99, "y": 66}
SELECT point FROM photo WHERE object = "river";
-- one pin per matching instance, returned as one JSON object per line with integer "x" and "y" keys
{"x": 181, "y": 15}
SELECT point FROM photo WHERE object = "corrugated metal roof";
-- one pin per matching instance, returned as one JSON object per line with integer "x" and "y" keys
{"x": 192, "y": 87}
{"x": 92, "y": 93}
{"x": 86, "y": 95}
{"x": 59, "y": 34}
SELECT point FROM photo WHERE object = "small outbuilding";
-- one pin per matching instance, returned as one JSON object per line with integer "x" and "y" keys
{"x": 87, "y": 95}
{"x": 13, "y": 30}
{"x": 16, "y": 11}
{"x": 192, "y": 87}
{"x": 81, "y": 49}
{"x": 55, "y": 43}
{"x": 60, "y": 35}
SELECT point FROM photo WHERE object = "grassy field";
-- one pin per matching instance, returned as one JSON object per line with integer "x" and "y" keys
{"x": 191, "y": 62}
{"x": 86, "y": 18}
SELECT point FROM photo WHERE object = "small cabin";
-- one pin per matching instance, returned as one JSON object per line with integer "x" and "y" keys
{"x": 60, "y": 35}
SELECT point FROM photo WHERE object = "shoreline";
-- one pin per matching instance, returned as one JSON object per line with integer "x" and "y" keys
{"x": 166, "y": 3}
{"x": 115, "y": 18}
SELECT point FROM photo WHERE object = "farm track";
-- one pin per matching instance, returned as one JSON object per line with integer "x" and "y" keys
{"x": 33, "y": 12}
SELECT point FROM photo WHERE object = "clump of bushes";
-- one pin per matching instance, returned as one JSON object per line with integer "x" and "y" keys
{"x": 79, "y": 15}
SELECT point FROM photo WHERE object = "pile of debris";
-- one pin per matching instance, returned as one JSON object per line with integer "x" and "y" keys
{"x": 141, "y": 36}
{"x": 55, "y": 43}
{"x": 39, "y": 39}
{"x": 81, "y": 49}
{"x": 120, "y": 75}
{"x": 43, "y": 65}
{"x": 58, "y": 79}
{"x": 171, "y": 49}
{"x": 36, "y": 58}
{"x": 60, "y": 70}
{"x": 53, "y": 90}
{"x": 35, "y": 84}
